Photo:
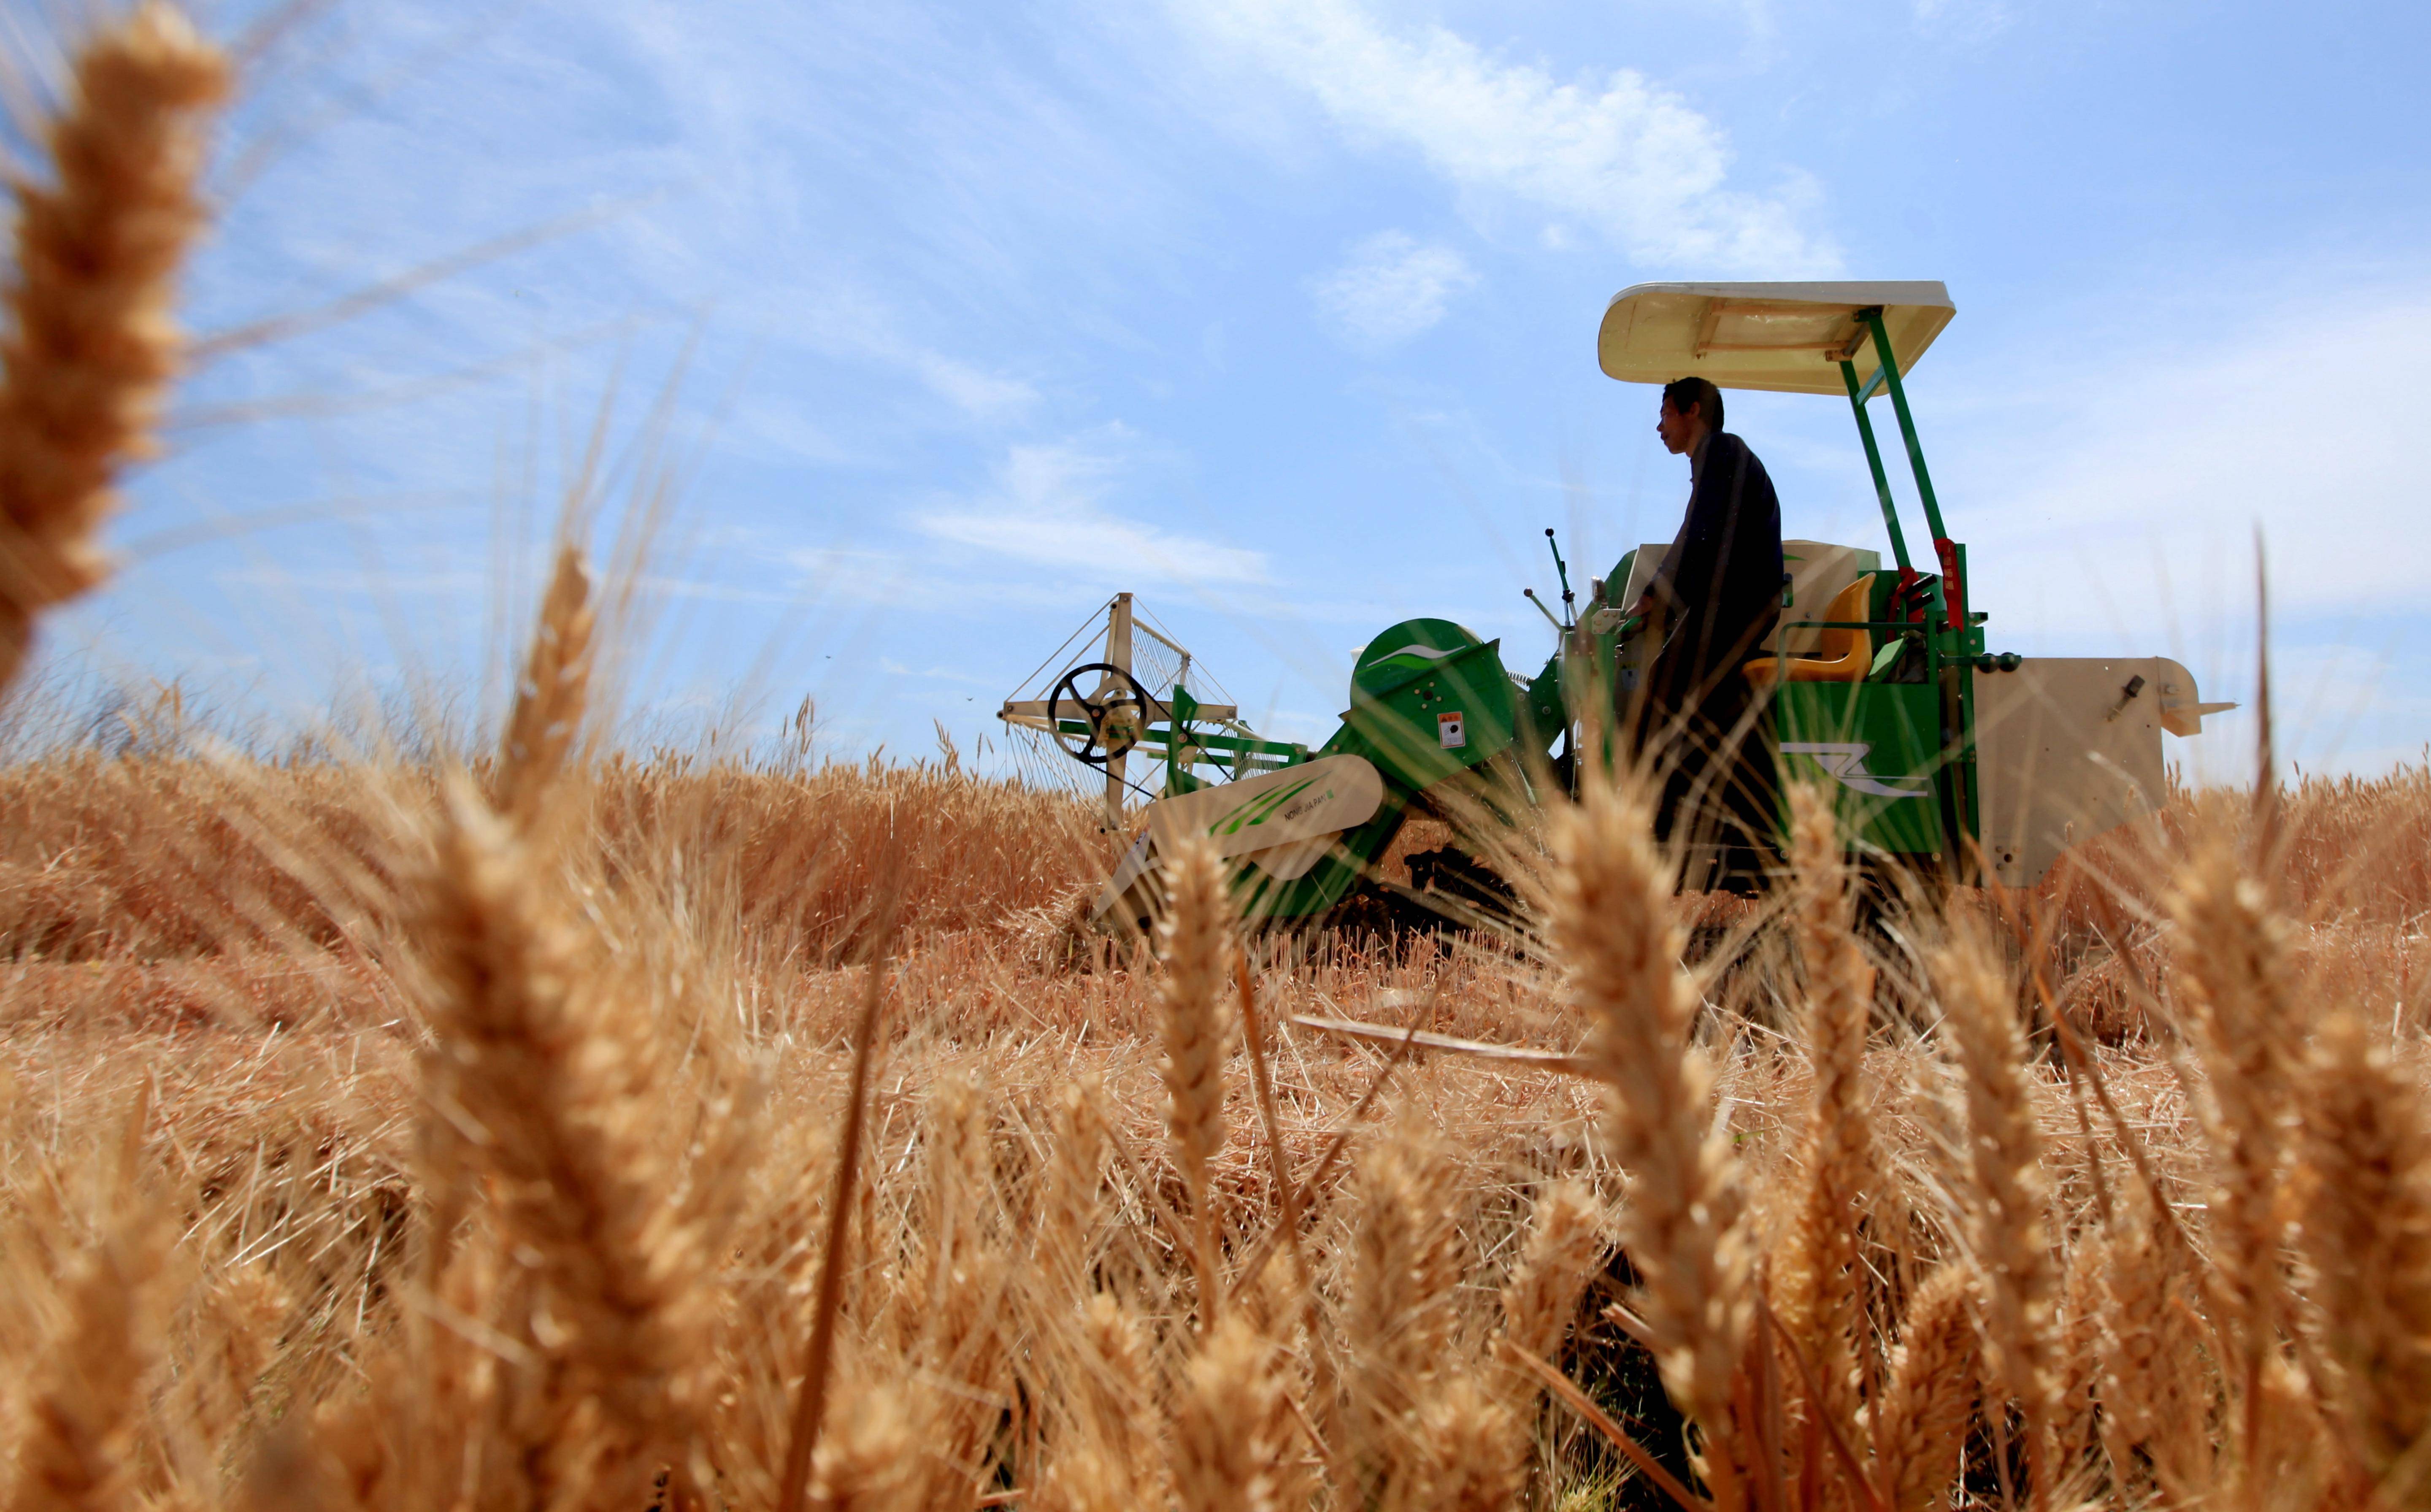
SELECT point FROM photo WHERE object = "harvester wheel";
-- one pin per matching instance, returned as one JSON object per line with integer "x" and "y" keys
{"x": 1117, "y": 713}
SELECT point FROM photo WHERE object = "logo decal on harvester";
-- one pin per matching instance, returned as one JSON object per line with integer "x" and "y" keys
{"x": 1262, "y": 808}
{"x": 1450, "y": 734}
{"x": 1847, "y": 762}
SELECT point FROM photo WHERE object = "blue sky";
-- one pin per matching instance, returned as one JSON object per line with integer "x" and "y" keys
{"x": 941, "y": 323}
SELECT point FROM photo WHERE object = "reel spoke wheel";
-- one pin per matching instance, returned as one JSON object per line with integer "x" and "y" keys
{"x": 1117, "y": 712}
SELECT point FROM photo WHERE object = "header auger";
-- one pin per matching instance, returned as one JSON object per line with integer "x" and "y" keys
{"x": 1945, "y": 758}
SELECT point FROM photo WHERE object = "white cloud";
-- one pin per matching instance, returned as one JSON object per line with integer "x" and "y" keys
{"x": 2104, "y": 471}
{"x": 1391, "y": 288}
{"x": 979, "y": 392}
{"x": 1621, "y": 155}
{"x": 1044, "y": 509}
{"x": 856, "y": 324}
{"x": 1971, "y": 20}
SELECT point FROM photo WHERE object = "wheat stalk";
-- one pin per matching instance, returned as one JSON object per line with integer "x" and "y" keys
{"x": 2008, "y": 1190}
{"x": 1542, "y": 1296}
{"x": 1194, "y": 939}
{"x": 1930, "y": 1392}
{"x": 552, "y": 1077}
{"x": 2231, "y": 948}
{"x": 84, "y": 1410}
{"x": 1820, "y": 1274}
{"x": 1682, "y": 1227}
{"x": 1233, "y": 1425}
{"x": 552, "y": 693}
{"x": 90, "y": 343}
{"x": 1401, "y": 1321}
{"x": 2366, "y": 1234}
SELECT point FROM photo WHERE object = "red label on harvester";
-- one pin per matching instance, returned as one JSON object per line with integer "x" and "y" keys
{"x": 1953, "y": 587}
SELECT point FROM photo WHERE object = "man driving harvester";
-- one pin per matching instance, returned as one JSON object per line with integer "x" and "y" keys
{"x": 1713, "y": 603}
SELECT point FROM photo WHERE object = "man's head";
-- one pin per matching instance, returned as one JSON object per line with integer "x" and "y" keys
{"x": 1693, "y": 409}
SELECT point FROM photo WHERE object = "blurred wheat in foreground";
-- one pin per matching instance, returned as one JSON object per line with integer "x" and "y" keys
{"x": 386, "y": 1135}
{"x": 90, "y": 341}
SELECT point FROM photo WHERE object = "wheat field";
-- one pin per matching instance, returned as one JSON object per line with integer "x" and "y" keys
{"x": 409, "y": 1136}
{"x": 538, "y": 1125}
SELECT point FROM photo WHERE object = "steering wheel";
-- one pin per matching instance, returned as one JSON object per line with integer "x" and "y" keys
{"x": 1117, "y": 713}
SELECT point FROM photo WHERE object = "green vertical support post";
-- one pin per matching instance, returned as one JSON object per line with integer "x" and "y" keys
{"x": 1955, "y": 788}
{"x": 1874, "y": 460}
{"x": 1954, "y": 591}
{"x": 1906, "y": 421}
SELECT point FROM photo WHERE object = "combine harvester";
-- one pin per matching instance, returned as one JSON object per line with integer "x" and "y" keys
{"x": 1949, "y": 762}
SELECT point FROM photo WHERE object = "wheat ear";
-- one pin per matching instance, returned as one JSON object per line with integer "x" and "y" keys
{"x": 1542, "y": 1296}
{"x": 90, "y": 344}
{"x": 2008, "y": 1191}
{"x": 2077, "y": 1365}
{"x": 552, "y": 693}
{"x": 1107, "y": 1458}
{"x": 809, "y": 1416}
{"x": 869, "y": 1463}
{"x": 1235, "y": 1430}
{"x": 1931, "y": 1394}
{"x": 1683, "y": 1228}
{"x": 1194, "y": 940}
{"x": 2367, "y": 1240}
{"x": 1822, "y": 1306}
{"x": 1475, "y": 1444}
{"x": 2231, "y": 950}
{"x": 556, "y": 1083}
{"x": 1401, "y": 1321}
{"x": 2153, "y": 1401}
{"x": 80, "y": 1418}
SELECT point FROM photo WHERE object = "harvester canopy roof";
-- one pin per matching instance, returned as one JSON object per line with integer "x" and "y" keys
{"x": 1787, "y": 337}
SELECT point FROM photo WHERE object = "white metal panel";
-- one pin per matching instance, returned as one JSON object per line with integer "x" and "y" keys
{"x": 2065, "y": 751}
{"x": 1285, "y": 819}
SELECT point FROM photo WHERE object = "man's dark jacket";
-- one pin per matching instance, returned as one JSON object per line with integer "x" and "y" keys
{"x": 1717, "y": 601}
{"x": 1719, "y": 588}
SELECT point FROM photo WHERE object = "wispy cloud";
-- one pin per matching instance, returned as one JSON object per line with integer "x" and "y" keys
{"x": 860, "y": 326}
{"x": 2297, "y": 418}
{"x": 1971, "y": 20}
{"x": 1620, "y": 155}
{"x": 1391, "y": 288}
{"x": 1045, "y": 508}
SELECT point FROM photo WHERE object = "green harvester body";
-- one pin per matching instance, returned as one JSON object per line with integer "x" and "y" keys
{"x": 1448, "y": 727}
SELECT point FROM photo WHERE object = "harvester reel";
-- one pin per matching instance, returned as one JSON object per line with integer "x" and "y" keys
{"x": 1117, "y": 713}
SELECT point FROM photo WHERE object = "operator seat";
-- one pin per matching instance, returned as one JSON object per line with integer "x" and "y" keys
{"x": 1842, "y": 656}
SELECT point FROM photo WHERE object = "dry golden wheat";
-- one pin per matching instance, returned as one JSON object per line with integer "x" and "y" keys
{"x": 1820, "y": 1273}
{"x": 90, "y": 339}
{"x": 2007, "y": 1196}
{"x": 1682, "y": 1225}
{"x": 1194, "y": 941}
{"x": 1932, "y": 1394}
{"x": 2367, "y": 1239}
{"x": 1021, "y": 1313}
{"x": 552, "y": 693}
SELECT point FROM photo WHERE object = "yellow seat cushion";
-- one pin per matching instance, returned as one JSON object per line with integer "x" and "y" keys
{"x": 1844, "y": 655}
